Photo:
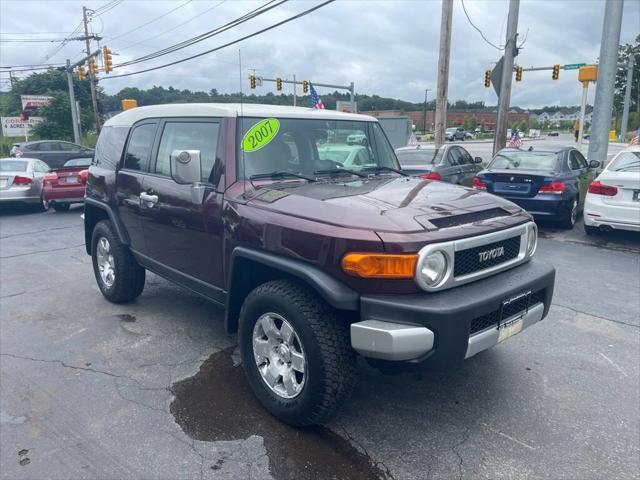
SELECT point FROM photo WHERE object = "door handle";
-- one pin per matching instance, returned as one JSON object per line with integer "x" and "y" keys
{"x": 148, "y": 200}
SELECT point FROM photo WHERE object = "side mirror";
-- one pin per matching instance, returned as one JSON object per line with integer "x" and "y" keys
{"x": 477, "y": 160}
{"x": 185, "y": 166}
{"x": 594, "y": 164}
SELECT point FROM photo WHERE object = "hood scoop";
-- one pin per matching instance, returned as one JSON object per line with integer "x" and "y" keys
{"x": 463, "y": 219}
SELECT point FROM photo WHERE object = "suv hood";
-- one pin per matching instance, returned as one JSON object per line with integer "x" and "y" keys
{"x": 381, "y": 203}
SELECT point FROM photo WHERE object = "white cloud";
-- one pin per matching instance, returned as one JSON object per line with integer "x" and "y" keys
{"x": 389, "y": 48}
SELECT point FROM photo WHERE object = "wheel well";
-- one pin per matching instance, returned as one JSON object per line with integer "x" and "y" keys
{"x": 247, "y": 274}
{"x": 92, "y": 215}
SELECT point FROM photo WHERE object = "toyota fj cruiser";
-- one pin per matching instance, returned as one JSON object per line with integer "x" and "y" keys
{"x": 315, "y": 261}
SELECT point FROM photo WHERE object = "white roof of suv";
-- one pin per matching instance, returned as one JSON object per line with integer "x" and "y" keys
{"x": 129, "y": 117}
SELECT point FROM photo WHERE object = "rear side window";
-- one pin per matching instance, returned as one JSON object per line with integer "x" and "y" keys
{"x": 139, "y": 147}
{"x": 201, "y": 136}
{"x": 109, "y": 147}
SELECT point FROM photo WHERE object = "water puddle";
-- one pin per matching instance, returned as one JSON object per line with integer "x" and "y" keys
{"x": 216, "y": 404}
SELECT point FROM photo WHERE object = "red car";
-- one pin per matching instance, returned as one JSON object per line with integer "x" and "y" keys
{"x": 64, "y": 186}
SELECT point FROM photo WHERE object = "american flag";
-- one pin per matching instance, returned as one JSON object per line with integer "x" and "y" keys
{"x": 515, "y": 141}
{"x": 316, "y": 101}
{"x": 634, "y": 140}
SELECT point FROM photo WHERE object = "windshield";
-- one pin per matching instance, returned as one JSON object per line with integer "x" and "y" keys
{"x": 627, "y": 161}
{"x": 409, "y": 158}
{"x": 13, "y": 166}
{"x": 311, "y": 147}
{"x": 543, "y": 161}
{"x": 78, "y": 162}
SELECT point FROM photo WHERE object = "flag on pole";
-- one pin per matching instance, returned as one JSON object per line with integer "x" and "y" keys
{"x": 635, "y": 140}
{"x": 515, "y": 141}
{"x": 316, "y": 101}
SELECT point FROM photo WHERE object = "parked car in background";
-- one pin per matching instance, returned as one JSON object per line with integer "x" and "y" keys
{"x": 21, "y": 181}
{"x": 553, "y": 134}
{"x": 454, "y": 133}
{"x": 547, "y": 183}
{"x": 53, "y": 152}
{"x": 347, "y": 156}
{"x": 64, "y": 186}
{"x": 357, "y": 139}
{"x": 449, "y": 163}
{"x": 613, "y": 199}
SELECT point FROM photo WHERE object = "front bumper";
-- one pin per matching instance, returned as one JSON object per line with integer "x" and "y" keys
{"x": 443, "y": 328}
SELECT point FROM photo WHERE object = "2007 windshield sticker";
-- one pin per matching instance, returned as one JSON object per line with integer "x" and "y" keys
{"x": 260, "y": 134}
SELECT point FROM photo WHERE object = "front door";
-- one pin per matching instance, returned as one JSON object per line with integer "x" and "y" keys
{"x": 130, "y": 179}
{"x": 182, "y": 233}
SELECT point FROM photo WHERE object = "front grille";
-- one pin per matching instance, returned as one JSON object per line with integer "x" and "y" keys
{"x": 468, "y": 261}
{"x": 491, "y": 319}
{"x": 465, "y": 218}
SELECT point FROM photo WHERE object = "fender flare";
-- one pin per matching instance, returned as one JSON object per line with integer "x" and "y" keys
{"x": 334, "y": 292}
{"x": 113, "y": 217}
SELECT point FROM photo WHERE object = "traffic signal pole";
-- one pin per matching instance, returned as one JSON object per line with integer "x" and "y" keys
{"x": 92, "y": 78}
{"x": 72, "y": 100}
{"x": 294, "y": 82}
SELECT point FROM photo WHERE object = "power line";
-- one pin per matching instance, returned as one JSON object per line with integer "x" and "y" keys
{"x": 34, "y": 65}
{"x": 275, "y": 25}
{"x": 32, "y": 40}
{"x": 479, "y": 31}
{"x": 211, "y": 33}
{"x": 174, "y": 28}
{"x": 106, "y": 7}
{"x": 112, "y": 39}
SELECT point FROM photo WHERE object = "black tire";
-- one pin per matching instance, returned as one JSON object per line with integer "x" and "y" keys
{"x": 569, "y": 218}
{"x": 129, "y": 276}
{"x": 589, "y": 230}
{"x": 60, "y": 207}
{"x": 330, "y": 360}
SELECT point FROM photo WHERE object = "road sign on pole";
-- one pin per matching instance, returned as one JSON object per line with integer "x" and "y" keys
{"x": 496, "y": 76}
{"x": 573, "y": 66}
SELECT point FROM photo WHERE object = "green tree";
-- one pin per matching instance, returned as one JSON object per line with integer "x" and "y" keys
{"x": 56, "y": 119}
{"x": 621, "y": 77}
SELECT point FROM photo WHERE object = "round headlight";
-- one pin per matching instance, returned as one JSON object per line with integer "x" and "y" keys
{"x": 434, "y": 268}
{"x": 532, "y": 239}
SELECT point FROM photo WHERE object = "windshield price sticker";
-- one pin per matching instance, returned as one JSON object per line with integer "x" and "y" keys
{"x": 260, "y": 134}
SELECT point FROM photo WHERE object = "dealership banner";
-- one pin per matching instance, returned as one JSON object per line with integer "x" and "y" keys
{"x": 14, "y": 127}
{"x": 33, "y": 102}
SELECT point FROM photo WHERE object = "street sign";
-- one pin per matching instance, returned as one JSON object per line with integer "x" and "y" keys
{"x": 496, "y": 76}
{"x": 573, "y": 66}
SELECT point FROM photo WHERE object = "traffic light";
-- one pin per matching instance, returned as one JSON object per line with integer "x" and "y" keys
{"x": 278, "y": 84}
{"x": 252, "y": 81}
{"x": 487, "y": 78}
{"x": 305, "y": 86}
{"x": 519, "y": 71}
{"x": 93, "y": 67}
{"x": 81, "y": 73}
{"x": 556, "y": 72}
{"x": 107, "y": 60}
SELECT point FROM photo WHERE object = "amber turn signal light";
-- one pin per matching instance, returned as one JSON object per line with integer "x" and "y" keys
{"x": 379, "y": 265}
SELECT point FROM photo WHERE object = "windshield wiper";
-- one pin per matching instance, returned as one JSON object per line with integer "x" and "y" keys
{"x": 281, "y": 174}
{"x": 332, "y": 171}
{"x": 385, "y": 169}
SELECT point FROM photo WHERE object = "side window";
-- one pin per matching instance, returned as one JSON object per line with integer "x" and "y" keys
{"x": 109, "y": 147}
{"x": 43, "y": 167}
{"x": 574, "y": 164}
{"x": 454, "y": 157}
{"x": 51, "y": 147}
{"x": 67, "y": 147}
{"x": 581, "y": 160}
{"x": 139, "y": 147}
{"x": 201, "y": 136}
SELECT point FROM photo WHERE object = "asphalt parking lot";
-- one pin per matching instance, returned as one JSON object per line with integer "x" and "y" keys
{"x": 153, "y": 389}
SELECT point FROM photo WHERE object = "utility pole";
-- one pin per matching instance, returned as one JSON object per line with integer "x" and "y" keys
{"x": 627, "y": 98}
{"x": 510, "y": 52}
{"x": 72, "y": 101}
{"x": 443, "y": 70}
{"x": 424, "y": 127}
{"x": 601, "y": 119}
{"x": 92, "y": 79}
{"x": 294, "y": 90}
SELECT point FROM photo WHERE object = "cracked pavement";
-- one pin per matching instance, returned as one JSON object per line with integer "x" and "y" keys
{"x": 87, "y": 387}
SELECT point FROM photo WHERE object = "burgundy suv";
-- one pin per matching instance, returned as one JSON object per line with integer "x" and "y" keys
{"x": 315, "y": 260}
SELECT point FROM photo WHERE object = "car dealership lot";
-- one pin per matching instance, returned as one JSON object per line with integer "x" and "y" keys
{"x": 152, "y": 389}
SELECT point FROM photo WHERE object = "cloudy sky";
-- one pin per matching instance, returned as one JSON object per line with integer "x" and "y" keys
{"x": 387, "y": 47}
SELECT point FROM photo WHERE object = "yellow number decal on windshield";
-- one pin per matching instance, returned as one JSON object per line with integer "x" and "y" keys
{"x": 260, "y": 134}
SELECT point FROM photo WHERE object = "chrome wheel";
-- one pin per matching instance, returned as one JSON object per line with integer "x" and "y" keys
{"x": 105, "y": 261}
{"x": 279, "y": 355}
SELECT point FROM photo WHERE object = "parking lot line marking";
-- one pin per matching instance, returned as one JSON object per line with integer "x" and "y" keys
{"x": 509, "y": 437}
{"x": 614, "y": 364}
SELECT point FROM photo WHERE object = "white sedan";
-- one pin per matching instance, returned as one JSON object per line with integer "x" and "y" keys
{"x": 613, "y": 199}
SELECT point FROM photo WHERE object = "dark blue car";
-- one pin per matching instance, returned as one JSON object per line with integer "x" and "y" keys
{"x": 549, "y": 183}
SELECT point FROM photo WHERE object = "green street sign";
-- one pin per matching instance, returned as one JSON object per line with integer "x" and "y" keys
{"x": 574, "y": 66}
